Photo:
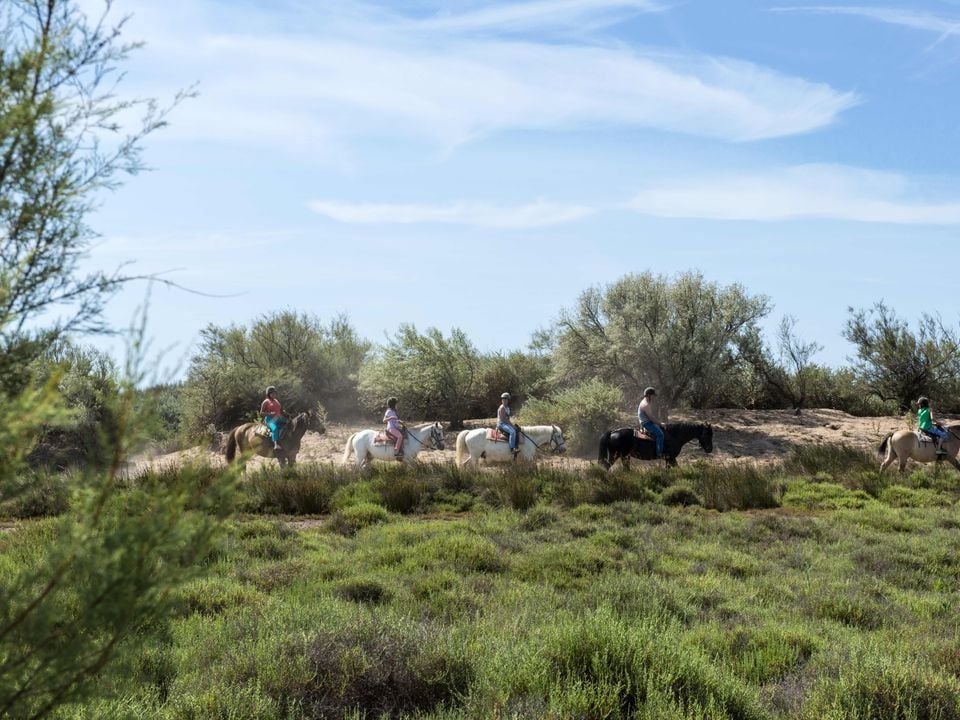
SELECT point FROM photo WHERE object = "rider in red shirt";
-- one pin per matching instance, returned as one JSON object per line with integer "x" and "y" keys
{"x": 272, "y": 413}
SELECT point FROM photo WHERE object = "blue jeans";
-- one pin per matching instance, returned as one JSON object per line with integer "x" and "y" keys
{"x": 936, "y": 432}
{"x": 654, "y": 430}
{"x": 275, "y": 423}
{"x": 511, "y": 433}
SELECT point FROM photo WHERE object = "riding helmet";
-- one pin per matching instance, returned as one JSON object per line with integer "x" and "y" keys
{"x": 271, "y": 389}
{"x": 923, "y": 401}
{"x": 504, "y": 396}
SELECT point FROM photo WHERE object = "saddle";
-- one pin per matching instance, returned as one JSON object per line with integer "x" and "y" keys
{"x": 381, "y": 438}
{"x": 497, "y": 435}
{"x": 924, "y": 437}
{"x": 641, "y": 434}
{"x": 263, "y": 431}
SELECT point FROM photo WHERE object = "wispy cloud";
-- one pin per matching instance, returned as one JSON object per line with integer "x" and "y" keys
{"x": 829, "y": 192}
{"x": 538, "y": 214}
{"x": 540, "y": 14}
{"x": 915, "y": 19}
{"x": 352, "y": 72}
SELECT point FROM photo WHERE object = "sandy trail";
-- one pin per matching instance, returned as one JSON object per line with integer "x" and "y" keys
{"x": 761, "y": 435}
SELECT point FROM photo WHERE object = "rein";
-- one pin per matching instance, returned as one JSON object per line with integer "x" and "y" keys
{"x": 410, "y": 435}
{"x": 536, "y": 446}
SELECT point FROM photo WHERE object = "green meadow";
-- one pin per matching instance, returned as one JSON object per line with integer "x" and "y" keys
{"x": 808, "y": 589}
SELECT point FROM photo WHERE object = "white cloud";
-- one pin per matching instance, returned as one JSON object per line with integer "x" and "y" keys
{"x": 830, "y": 192}
{"x": 538, "y": 14}
{"x": 916, "y": 19}
{"x": 350, "y": 72}
{"x": 533, "y": 215}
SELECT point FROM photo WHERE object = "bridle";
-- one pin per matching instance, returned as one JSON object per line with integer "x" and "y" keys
{"x": 436, "y": 437}
{"x": 555, "y": 441}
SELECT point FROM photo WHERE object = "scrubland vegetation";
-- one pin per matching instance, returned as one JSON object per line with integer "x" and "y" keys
{"x": 807, "y": 589}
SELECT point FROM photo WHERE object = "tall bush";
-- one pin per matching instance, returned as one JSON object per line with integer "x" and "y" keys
{"x": 310, "y": 362}
{"x": 583, "y": 413}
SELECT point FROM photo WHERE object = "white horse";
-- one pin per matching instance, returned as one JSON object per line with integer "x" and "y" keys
{"x": 474, "y": 444}
{"x": 424, "y": 437}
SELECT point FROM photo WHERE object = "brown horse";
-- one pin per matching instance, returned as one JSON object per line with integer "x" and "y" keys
{"x": 243, "y": 439}
{"x": 904, "y": 444}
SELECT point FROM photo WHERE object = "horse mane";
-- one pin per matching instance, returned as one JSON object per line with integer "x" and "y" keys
{"x": 684, "y": 427}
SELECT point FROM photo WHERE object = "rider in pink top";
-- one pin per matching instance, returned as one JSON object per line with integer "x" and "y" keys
{"x": 394, "y": 426}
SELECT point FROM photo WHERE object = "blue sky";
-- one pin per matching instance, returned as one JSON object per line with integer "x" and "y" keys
{"x": 438, "y": 162}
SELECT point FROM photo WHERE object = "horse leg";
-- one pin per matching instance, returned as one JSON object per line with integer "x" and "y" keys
{"x": 887, "y": 461}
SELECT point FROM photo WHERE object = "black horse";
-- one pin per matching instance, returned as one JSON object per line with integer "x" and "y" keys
{"x": 624, "y": 444}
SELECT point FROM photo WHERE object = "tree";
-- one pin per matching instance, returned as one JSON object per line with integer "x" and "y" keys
{"x": 900, "y": 364}
{"x": 678, "y": 334}
{"x": 105, "y": 572}
{"x": 790, "y": 375}
{"x": 309, "y": 361}
{"x": 435, "y": 376}
{"x": 61, "y": 143}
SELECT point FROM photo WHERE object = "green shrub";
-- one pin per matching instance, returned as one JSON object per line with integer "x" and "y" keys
{"x": 680, "y": 494}
{"x": 301, "y": 490}
{"x": 363, "y": 590}
{"x": 601, "y": 666}
{"x": 831, "y": 458}
{"x": 823, "y": 496}
{"x": 900, "y": 496}
{"x": 42, "y": 493}
{"x": 583, "y": 413}
{"x": 518, "y": 489}
{"x": 351, "y": 520}
{"x": 736, "y": 486}
{"x": 373, "y": 669}
{"x": 210, "y": 595}
{"x": 354, "y": 493}
{"x": 611, "y": 487}
{"x": 870, "y": 683}
{"x": 402, "y": 494}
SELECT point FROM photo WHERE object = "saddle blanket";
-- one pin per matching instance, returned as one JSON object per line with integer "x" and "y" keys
{"x": 262, "y": 430}
{"x": 642, "y": 435}
{"x": 497, "y": 435}
{"x": 382, "y": 438}
{"x": 924, "y": 438}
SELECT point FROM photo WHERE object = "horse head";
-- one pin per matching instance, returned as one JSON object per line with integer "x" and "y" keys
{"x": 436, "y": 436}
{"x": 316, "y": 422}
{"x": 706, "y": 438}
{"x": 557, "y": 443}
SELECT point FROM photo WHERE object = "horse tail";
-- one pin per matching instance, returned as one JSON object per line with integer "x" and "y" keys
{"x": 461, "y": 446}
{"x": 231, "y": 452}
{"x": 348, "y": 449}
{"x": 604, "y": 457}
{"x": 883, "y": 445}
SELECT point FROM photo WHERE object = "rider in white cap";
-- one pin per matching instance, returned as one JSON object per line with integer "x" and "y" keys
{"x": 505, "y": 423}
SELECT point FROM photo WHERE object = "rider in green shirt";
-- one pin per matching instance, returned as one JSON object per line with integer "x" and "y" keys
{"x": 926, "y": 423}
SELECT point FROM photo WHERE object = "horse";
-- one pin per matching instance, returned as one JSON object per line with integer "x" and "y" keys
{"x": 904, "y": 444}
{"x": 623, "y": 443}
{"x": 244, "y": 438}
{"x": 475, "y": 444}
{"x": 360, "y": 444}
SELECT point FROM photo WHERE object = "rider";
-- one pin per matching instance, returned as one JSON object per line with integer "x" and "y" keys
{"x": 394, "y": 426}
{"x": 505, "y": 423}
{"x": 926, "y": 423}
{"x": 272, "y": 414}
{"x": 647, "y": 414}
